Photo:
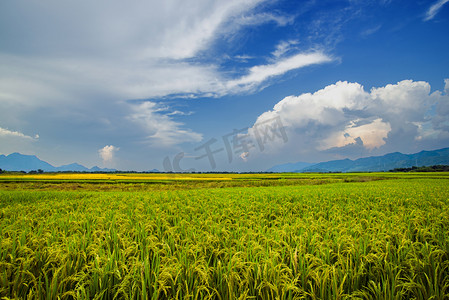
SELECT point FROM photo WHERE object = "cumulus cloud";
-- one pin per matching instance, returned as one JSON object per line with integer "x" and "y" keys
{"x": 345, "y": 114}
{"x": 107, "y": 153}
{"x": 440, "y": 121}
{"x": 372, "y": 135}
{"x": 434, "y": 9}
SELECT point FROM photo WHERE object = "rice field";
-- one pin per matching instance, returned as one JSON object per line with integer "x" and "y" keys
{"x": 224, "y": 236}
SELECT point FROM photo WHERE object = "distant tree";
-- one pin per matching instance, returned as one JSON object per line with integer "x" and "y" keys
{"x": 1, "y": 171}
{"x": 435, "y": 168}
{"x": 40, "y": 171}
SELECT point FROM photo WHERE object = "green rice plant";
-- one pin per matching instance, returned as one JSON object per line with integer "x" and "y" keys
{"x": 360, "y": 239}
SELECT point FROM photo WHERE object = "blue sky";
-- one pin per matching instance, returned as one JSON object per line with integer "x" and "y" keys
{"x": 153, "y": 85}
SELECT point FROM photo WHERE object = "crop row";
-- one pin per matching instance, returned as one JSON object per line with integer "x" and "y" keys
{"x": 379, "y": 239}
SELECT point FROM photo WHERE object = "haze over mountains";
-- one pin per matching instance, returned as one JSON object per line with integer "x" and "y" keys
{"x": 371, "y": 164}
{"x": 20, "y": 162}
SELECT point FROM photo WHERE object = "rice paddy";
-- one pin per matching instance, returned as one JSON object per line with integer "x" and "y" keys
{"x": 224, "y": 236}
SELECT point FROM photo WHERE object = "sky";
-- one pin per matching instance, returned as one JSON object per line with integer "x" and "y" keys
{"x": 211, "y": 85}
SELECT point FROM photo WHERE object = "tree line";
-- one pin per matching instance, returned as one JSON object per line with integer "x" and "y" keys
{"x": 435, "y": 168}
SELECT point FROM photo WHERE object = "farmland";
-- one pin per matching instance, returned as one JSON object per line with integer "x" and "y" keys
{"x": 225, "y": 236}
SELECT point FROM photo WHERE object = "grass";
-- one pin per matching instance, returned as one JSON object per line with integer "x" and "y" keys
{"x": 253, "y": 236}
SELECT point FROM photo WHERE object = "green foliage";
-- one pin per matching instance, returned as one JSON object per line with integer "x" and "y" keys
{"x": 385, "y": 239}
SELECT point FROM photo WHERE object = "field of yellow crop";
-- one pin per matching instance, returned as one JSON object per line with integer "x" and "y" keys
{"x": 225, "y": 236}
{"x": 112, "y": 176}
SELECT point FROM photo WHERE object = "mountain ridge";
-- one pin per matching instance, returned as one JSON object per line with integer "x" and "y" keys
{"x": 382, "y": 163}
{"x": 21, "y": 162}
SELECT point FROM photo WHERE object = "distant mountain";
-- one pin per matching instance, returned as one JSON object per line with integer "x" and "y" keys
{"x": 20, "y": 162}
{"x": 74, "y": 167}
{"x": 98, "y": 169}
{"x": 379, "y": 163}
{"x": 290, "y": 167}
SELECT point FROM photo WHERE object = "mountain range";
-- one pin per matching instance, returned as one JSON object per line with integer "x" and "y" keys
{"x": 21, "y": 162}
{"x": 371, "y": 164}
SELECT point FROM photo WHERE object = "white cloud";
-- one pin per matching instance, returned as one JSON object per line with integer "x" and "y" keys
{"x": 180, "y": 113}
{"x": 151, "y": 29}
{"x": 243, "y": 58}
{"x": 324, "y": 106}
{"x": 244, "y": 156}
{"x": 406, "y": 97}
{"x": 261, "y": 18}
{"x": 119, "y": 52}
{"x": 76, "y": 63}
{"x": 15, "y": 141}
{"x": 135, "y": 51}
{"x": 393, "y": 117}
{"x": 426, "y": 131}
{"x": 9, "y": 133}
{"x": 161, "y": 130}
{"x": 371, "y": 31}
{"x": 283, "y": 47}
{"x": 261, "y": 73}
{"x": 195, "y": 33}
{"x": 373, "y": 135}
{"x": 107, "y": 153}
{"x": 440, "y": 122}
{"x": 434, "y": 9}
{"x": 53, "y": 81}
